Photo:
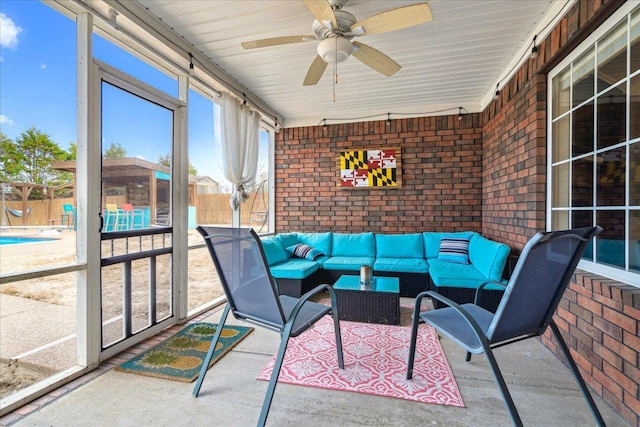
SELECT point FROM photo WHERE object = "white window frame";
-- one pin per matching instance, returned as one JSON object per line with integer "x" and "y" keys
{"x": 618, "y": 274}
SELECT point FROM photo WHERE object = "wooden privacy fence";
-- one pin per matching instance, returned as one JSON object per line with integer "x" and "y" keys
{"x": 210, "y": 209}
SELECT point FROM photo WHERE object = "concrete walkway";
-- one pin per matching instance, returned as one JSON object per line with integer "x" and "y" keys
{"x": 37, "y": 333}
{"x": 542, "y": 387}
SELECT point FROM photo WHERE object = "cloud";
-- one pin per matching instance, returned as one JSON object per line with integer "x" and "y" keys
{"x": 4, "y": 120}
{"x": 8, "y": 32}
{"x": 43, "y": 66}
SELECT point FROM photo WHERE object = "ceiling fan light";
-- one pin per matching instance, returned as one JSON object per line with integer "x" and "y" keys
{"x": 334, "y": 48}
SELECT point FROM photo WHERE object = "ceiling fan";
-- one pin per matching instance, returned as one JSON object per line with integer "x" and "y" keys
{"x": 336, "y": 29}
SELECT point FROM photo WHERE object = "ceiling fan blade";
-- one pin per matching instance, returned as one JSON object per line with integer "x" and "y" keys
{"x": 394, "y": 19}
{"x": 276, "y": 41}
{"x": 375, "y": 59}
{"x": 321, "y": 10}
{"x": 315, "y": 72}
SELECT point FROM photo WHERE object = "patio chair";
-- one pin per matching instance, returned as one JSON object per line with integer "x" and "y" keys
{"x": 539, "y": 279}
{"x": 112, "y": 217}
{"x": 128, "y": 216}
{"x": 252, "y": 296}
{"x": 68, "y": 215}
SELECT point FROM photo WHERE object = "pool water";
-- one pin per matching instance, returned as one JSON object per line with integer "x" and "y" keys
{"x": 6, "y": 240}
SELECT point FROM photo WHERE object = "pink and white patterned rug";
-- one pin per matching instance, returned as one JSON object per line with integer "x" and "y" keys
{"x": 375, "y": 358}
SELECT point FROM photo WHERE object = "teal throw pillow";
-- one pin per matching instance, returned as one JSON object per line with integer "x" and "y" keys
{"x": 304, "y": 251}
{"x": 454, "y": 249}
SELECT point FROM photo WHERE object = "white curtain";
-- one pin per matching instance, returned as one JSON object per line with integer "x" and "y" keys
{"x": 239, "y": 142}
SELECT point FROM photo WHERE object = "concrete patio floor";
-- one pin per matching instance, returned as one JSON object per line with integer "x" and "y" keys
{"x": 543, "y": 389}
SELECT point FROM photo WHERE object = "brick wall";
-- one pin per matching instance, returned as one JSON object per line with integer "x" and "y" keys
{"x": 441, "y": 177}
{"x": 599, "y": 318}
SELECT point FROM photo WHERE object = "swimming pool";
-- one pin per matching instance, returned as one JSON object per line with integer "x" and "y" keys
{"x": 10, "y": 240}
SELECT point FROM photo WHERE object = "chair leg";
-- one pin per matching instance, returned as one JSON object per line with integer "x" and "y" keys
{"x": 515, "y": 417}
{"x": 336, "y": 327}
{"x": 277, "y": 366}
{"x": 414, "y": 337}
{"x": 212, "y": 348}
{"x": 468, "y": 358}
{"x": 576, "y": 374}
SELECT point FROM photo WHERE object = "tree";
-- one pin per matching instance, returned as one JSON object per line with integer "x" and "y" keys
{"x": 29, "y": 159}
{"x": 166, "y": 161}
{"x": 35, "y": 151}
{"x": 115, "y": 151}
{"x": 9, "y": 167}
{"x": 72, "y": 152}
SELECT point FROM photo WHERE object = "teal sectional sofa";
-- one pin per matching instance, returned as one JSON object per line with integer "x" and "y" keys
{"x": 454, "y": 264}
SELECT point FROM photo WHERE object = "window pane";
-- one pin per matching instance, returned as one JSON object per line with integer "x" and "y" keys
{"x": 634, "y": 240}
{"x": 634, "y": 108}
{"x": 612, "y": 57}
{"x": 582, "y": 182}
{"x": 208, "y": 204}
{"x": 583, "y": 219}
{"x": 560, "y": 186}
{"x": 611, "y": 177}
{"x": 561, "y": 139}
{"x": 610, "y": 243}
{"x": 583, "y": 76}
{"x": 38, "y": 222}
{"x": 136, "y": 167}
{"x": 582, "y": 130}
{"x": 634, "y": 174}
{"x": 612, "y": 113}
{"x": 113, "y": 55}
{"x": 561, "y": 92}
{"x": 635, "y": 41}
{"x": 560, "y": 220}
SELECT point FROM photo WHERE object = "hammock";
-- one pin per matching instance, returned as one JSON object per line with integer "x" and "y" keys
{"x": 17, "y": 213}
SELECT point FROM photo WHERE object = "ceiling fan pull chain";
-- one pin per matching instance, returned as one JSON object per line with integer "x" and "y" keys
{"x": 335, "y": 80}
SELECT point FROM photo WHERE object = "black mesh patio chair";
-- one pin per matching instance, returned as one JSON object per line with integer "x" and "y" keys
{"x": 535, "y": 288}
{"x": 252, "y": 296}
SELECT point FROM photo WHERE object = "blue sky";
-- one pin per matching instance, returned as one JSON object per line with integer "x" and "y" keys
{"x": 37, "y": 88}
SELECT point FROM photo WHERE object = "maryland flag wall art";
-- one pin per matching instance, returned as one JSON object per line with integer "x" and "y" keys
{"x": 370, "y": 168}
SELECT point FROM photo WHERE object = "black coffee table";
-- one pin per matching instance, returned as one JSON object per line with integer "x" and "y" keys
{"x": 376, "y": 302}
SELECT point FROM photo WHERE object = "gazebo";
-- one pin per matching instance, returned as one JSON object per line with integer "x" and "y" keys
{"x": 146, "y": 184}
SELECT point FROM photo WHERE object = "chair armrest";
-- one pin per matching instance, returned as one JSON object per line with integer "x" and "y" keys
{"x": 483, "y": 285}
{"x": 484, "y": 342}
{"x": 304, "y": 298}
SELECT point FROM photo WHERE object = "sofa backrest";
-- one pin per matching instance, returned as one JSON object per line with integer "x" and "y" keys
{"x": 354, "y": 245}
{"x": 488, "y": 257}
{"x": 273, "y": 250}
{"x": 319, "y": 241}
{"x": 399, "y": 246}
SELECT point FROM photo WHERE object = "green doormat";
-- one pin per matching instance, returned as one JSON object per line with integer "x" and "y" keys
{"x": 180, "y": 357}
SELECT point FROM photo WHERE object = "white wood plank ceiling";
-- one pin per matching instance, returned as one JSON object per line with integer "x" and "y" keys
{"x": 455, "y": 60}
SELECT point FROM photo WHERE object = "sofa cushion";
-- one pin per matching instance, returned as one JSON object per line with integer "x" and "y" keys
{"x": 288, "y": 239}
{"x": 353, "y": 245}
{"x": 399, "y": 246}
{"x": 294, "y": 268}
{"x": 351, "y": 263}
{"x": 454, "y": 275}
{"x": 304, "y": 251}
{"x": 488, "y": 257}
{"x": 319, "y": 241}
{"x": 274, "y": 251}
{"x": 401, "y": 265}
{"x": 454, "y": 249}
